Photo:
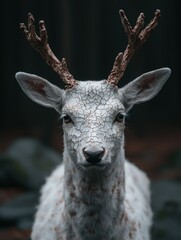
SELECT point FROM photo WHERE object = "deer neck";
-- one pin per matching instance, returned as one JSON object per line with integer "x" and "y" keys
{"x": 94, "y": 201}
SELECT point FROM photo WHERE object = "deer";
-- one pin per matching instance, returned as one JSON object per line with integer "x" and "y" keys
{"x": 96, "y": 193}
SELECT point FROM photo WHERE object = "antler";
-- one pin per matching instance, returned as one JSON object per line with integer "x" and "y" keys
{"x": 136, "y": 37}
{"x": 42, "y": 46}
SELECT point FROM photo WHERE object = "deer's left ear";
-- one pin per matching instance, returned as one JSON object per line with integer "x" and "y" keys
{"x": 144, "y": 87}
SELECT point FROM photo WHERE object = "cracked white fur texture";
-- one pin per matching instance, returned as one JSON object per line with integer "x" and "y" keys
{"x": 112, "y": 201}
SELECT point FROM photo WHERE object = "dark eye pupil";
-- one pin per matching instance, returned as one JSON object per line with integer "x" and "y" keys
{"x": 119, "y": 117}
{"x": 67, "y": 119}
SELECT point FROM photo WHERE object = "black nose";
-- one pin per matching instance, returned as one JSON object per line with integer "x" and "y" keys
{"x": 93, "y": 154}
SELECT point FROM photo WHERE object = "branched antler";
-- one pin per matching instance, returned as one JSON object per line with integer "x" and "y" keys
{"x": 40, "y": 43}
{"x": 136, "y": 37}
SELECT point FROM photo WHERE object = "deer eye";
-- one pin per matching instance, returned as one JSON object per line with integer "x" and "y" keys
{"x": 120, "y": 117}
{"x": 67, "y": 119}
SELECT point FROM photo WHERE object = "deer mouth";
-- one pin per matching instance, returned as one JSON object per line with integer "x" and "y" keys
{"x": 95, "y": 167}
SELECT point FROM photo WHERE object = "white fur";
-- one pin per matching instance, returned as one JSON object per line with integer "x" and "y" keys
{"x": 137, "y": 205}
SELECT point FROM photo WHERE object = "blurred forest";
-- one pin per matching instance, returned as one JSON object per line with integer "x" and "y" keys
{"x": 89, "y": 35}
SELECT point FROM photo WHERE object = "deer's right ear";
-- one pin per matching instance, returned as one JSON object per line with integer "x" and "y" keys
{"x": 40, "y": 90}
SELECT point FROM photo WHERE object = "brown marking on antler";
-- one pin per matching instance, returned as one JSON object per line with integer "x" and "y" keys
{"x": 40, "y": 43}
{"x": 137, "y": 36}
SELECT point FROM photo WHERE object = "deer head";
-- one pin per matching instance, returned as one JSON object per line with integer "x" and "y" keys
{"x": 93, "y": 112}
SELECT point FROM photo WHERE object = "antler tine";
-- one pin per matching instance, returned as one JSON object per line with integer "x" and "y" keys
{"x": 40, "y": 43}
{"x": 153, "y": 23}
{"x": 137, "y": 36}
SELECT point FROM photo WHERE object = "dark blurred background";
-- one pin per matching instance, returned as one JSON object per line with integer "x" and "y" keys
{"x": 89, "y": 35}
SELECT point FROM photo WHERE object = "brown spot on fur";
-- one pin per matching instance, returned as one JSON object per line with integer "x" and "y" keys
{"x": 119, "y": 182}
{"x": 84, "y": 187}
{"x": 113, "y": 188}
{"x": 118, "y": 193}
{"x": 125, "y": 217}
{"x": 150, "y": 81}
{"x": 72, "y": 213}
{"x": 38, "y": 87}
{"x": 130, "y": 235}
{"x": 70, "y": 184}
{"x": 73, "y": 195}
{"x": 121, "y": 217}
{"x": 92, "y": 214}
{"x": 133, "y": 230}
{"x": 57, "y": 228}
{"x": 90, "y": 230}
